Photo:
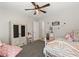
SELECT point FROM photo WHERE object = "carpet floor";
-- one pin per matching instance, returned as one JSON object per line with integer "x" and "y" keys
{"x": 34, "y": 49}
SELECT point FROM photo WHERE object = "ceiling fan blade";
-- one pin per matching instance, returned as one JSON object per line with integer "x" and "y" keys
{"x": 45, "y": 5}
{"x": 37, "y": 6}
{"x": 33, "y": 3}
{"x": 29, "y": 9}
{"x": 43, "y": 11}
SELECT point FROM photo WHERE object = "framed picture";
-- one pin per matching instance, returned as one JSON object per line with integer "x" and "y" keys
{"x": 55, "y": 23}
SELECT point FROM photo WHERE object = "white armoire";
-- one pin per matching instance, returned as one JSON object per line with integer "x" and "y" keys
{"x": 17, "y": 34}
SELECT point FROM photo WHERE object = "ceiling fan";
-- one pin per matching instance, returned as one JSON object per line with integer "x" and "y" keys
{"x": 38, "y": 8}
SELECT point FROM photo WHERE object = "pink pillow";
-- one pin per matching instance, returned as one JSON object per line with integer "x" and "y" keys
{"x": 69, "y": 36}
{"x": 0, "y": 43}
{"x": 72, "y": 35}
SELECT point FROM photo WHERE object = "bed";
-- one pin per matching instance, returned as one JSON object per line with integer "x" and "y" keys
{"x": 7, "y": 50}
{"x": 61, "y": 48}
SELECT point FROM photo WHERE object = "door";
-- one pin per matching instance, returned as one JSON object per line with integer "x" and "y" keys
{"x": 23, "y": 34}
{"x": 42, "y": 30}
{"x": 18, "y": 34}
{"x": 35, "y": 30}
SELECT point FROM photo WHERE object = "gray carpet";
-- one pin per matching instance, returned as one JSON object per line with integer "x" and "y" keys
{"x": 35, "y": 49}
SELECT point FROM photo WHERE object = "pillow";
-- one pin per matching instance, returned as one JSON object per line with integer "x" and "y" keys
{"x": 69, "y": 37}
{"x": 72, "y": 35}
{"x": 0, "y": 43}
{"x": 76, "y": 35}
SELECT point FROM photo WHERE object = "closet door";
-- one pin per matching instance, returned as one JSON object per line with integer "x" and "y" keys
{"x": 15, "y": 37}
{"x": 23, "y": 34}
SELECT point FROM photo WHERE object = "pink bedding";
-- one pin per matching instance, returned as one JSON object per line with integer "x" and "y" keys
{"x": 9, "y": 50}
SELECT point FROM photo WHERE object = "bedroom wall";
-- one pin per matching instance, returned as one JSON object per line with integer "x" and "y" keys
{"x": 65, "y": 12}
{"x": 6, "y": 15}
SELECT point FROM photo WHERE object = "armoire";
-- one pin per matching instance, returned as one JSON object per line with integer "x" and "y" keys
{"x": 17, "y": 34}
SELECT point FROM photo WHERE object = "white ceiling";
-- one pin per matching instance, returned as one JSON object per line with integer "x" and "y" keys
{"x": 20, "y": 6}
{"x": 55, "y": 8}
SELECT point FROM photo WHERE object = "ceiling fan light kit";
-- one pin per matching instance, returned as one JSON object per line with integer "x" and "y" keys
{"x": 37, "y": 12}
